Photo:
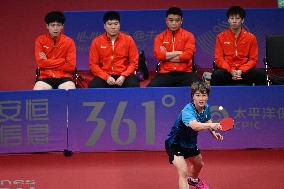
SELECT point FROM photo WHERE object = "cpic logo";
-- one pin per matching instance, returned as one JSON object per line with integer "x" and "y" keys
{"x": 217, "y": 114}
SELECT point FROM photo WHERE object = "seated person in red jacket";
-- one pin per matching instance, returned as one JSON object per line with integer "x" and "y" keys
{"x": 236, "y": 54}
{"x": 174, "y": 49}
{"x": 113, "y": 56}
{"x": 55, "y": 55}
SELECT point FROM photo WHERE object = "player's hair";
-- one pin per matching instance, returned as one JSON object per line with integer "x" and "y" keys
{"x": 236, "y": 10}
{"x": 201, "y": 86}
{"x": 175, "y": 11}
{"x": 54, "y": 16}
{"x": 111, "y": 15}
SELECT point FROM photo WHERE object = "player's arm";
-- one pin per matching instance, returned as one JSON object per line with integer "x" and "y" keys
{"x": 198, "y": 126}
{"x": 160, "y": 51}
{"x": 162, "y": 54}
{"x": 173, "y": 56}
{"x": 133, "y": 57}
{"x": 186, "y": 54}
{"x": 42, "y": 60}
{"x": 220, "y": 56}
{"x": 216, "y": 135}
{"x": 70, "y": 59}
{"x": 189, "y": 48}
{"x": 252, "y": 56}
{"x": 94, "y": 62}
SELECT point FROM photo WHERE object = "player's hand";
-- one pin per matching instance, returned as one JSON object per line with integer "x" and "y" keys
{"x": 217, "y": 136}
{"x": 163, "y": 49}
{"x": 42, "y": 56}
{"x": 178, "y": 52}
{"x": 239, "y": 74}
{"x": 236, "y": 74}
{"x": 120, "y": 80}
{"x": 215, "y": 126}
{"x": 110, "y": 80}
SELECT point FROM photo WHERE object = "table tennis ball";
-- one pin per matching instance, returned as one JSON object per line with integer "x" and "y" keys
{"x": 221, "y": 108}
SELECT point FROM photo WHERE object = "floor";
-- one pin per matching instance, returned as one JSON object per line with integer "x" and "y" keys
{"x": 235, "y": 169}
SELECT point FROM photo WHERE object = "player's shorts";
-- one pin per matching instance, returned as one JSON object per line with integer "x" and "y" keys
{"x": 54, "y": 82}
{"x": 177, "y": 150}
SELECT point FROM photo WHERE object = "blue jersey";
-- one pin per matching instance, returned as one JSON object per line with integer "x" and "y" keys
{"x": 181, "y": 133}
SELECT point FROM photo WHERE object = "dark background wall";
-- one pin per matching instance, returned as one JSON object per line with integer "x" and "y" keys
{"x": 22, "y": 21}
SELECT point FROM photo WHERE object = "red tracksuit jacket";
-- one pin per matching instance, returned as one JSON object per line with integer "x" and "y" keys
{"x": 120, "y": 58}
{"x": 182, "y": 40}
{"x": 60, "y": 53}
{"x": 236, "y": 53}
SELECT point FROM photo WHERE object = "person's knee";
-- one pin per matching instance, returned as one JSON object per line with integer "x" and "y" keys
{"x": 220, "y": 77}
{"x": 182, "y": 172}
{"x": 201, "y": 164}
{"x": 131, "y": 82}
{"x": 219, "y": 73}
{"x": 181, "y": 166}
{"x": 160, "y": 83}
{"x": 97, "y": 82}
{"x": 39, "y": 85}
{"x": 92, "y": 84}
{"x": 198, "y": 164}
{"x": 256, "y": 76}
{"x": 67, "y": 85}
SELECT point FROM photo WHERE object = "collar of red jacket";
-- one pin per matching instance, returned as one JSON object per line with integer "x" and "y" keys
{"x": 177, "y": 32}
{"x": 107, "y": 38}
{"x": 55, "y": 38}
{"x": 241, "y": 33}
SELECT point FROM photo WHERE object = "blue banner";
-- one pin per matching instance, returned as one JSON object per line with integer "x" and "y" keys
{"x": 127, "y": 119}
{"x": 140, "y": 119}
{"x": 258, "y": 113}
{"x": 144, "y": 25}
{"x": 33, "y": 121}
{"x": 134, "y": 118}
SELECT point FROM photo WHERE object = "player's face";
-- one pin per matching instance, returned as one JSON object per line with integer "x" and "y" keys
{"x": 54, "y": 28}
{"x": 173, "y": 22}
{"x": 235, "y": 22}
{"x": 200, "y": 99}
{"x": 112, "y": 28}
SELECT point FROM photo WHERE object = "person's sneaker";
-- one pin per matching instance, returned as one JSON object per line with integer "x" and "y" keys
{"x": 199, "y": 185}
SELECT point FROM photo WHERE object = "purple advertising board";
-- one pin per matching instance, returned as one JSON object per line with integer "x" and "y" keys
{"x": 33, "y": 121}
{"x": 144, "y": 25}
{"x": 87, "y": 120}
{"x": 140, "y": 118}
{"x": 127, "y": 119}
{"x": 258, "y": 113}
